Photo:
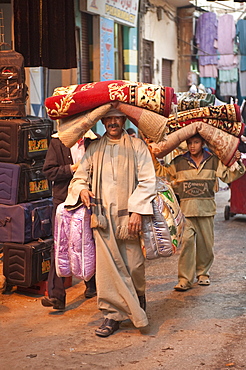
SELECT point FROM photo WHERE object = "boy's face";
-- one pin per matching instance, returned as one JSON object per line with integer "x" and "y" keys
{"x": 195, "y": 145}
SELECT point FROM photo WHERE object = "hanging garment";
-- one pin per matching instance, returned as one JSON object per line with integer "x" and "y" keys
{"x": 228, "y": 79}
{"x": 44, "y": 33}
{"x": 242, "y": 81}
{"x": 208, "y": 82}
{"x": 209, "y": 70}
{"x": 206, "y": 38}
{"x": 241, "y": 34}
{"x": 226, "y": 37}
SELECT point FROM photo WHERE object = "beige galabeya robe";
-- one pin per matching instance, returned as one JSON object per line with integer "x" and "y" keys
{"x": 120, "y": 271}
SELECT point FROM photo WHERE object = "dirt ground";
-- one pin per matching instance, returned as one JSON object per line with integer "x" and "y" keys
{"x": 203, "y": 328}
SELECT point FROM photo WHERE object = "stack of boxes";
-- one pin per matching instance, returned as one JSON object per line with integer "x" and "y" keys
{"x": 25, "y": 200}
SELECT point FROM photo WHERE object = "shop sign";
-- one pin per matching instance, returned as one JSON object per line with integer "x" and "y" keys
{"x": 121, "y": 11}
{"x": 107, "y": 49}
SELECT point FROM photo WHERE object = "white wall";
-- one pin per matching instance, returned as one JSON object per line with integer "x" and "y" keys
{"x": 164, "y": 35}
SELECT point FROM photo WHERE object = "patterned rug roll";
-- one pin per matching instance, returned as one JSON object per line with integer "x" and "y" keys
{"x": 188, "y": 100}
{"x": 73, "y": 99}
{"x": 225, "y": 117}
{"x": 222, "y": 143}
{"x": 72, "y": 128}
{"x": 152, "y": 125}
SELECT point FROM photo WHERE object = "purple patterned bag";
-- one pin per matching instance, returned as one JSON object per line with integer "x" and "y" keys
{"x": 73, "y": 243}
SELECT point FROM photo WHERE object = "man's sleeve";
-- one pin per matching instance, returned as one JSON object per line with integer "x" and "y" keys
{"x": 229, "y": 174}
{"x": 54, "y": 170}
{"x": 80, "y": 180}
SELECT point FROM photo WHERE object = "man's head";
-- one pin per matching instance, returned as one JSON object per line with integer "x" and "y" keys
{"x": 114, "y": 121}
{"x": 195, "y": 144}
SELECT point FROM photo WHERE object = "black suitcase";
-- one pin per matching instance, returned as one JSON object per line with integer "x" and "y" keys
{"x": 24, "y": 222}
{"x": 13, "y": 89}
{"x": 24, "y": 139}
{"x": 26, "y": 264}
{"x": 23, "y": 182}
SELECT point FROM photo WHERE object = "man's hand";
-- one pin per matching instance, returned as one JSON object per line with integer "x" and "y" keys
{"x": 75, "y": 166}
{"x": 135, "y": 224}
{"x": 238, "y": 155}
{"x": 85, "y": 196}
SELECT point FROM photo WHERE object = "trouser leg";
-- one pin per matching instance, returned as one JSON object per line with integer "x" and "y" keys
{"x": 90, "y": 290}
{"x": 204, "y": 245}
{"x": 55, "y": 284}
{"x": 134, "y": 260}
{"x": 187, "y": 258}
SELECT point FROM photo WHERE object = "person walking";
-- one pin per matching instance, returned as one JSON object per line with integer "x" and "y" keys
{"x": 193, "y": 176}
{"x": 116, "y": 180}
{"x": 59, "y": 167}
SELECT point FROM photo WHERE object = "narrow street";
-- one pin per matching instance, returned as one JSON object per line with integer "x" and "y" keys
{"x": 203, "y": 328}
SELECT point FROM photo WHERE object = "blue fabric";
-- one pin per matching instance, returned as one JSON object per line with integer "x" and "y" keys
{"x": 241, "y": 34}
{"x": 208, "y": 82}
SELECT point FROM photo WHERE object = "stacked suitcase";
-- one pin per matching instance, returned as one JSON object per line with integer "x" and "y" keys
{"x": 25, "y": 200}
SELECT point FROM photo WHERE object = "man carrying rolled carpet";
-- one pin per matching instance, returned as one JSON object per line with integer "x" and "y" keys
{"x": 116, "y": 179}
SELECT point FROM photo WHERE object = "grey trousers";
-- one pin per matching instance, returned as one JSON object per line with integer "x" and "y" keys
{"x": 197, "y": 254}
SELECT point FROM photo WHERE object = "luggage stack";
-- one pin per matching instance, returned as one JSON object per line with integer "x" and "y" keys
{"x": 25, "y": 200}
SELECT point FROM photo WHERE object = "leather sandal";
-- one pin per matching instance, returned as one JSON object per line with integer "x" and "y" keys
{"x": 203, "y": 280}
{"x": 108, "y": 327}
{"x": 181, "y": 287}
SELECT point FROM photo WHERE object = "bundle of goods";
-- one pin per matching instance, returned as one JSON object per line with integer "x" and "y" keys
{"x": 79, "y": 107}
{"x": 162, "y": 232}
{"x": 70, "y": 100}
{"x": 73, "y": 243}
{"x": 171, "y": 211}
{"x": 155, "y": 237}
{"x": 189, "y": 100}
{"x": 226, "y": 117}
{"x": 220, "y": 127}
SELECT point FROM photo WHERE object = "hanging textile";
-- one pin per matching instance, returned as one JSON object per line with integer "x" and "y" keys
{"x": 45, "y": 33}
{"x": 206, "y": 37}
{"x": 241, "y": 34}
{"x": 226, "y": 37}
{"x": 228, "y": 79}
{"x": 228, "y": 61}
{"x": 209, "y": 82}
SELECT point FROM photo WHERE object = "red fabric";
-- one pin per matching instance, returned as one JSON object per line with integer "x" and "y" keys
{"x": 70, "y": 100}
{"x": 238, "y": 195}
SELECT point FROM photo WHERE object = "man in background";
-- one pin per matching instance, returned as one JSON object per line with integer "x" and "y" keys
{"x": 59, "y": 166}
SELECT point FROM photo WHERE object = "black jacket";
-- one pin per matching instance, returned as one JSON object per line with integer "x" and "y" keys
{"x": 57, "y": 168}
